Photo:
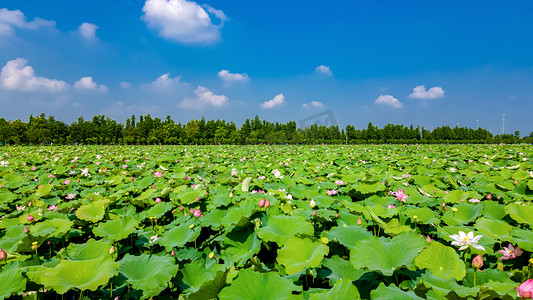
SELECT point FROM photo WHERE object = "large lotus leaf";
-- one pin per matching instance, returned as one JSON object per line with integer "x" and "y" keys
{"x": 443, "y": 287}
{"x": 498, "y": 230}
{"x": 368, "y": 188}
{"x": 93, "y": 211}
{"x": 524, "y": 238}
{"x": 423, "y": 215}
{"x": 148, "y": 273}
{"x": 13, "y": 180}
{"x": 493, "y": 210}
{"x": 342, "y": 290}
{"x": 520, "y": 213}
{"x": 386, "y": 256}
{"x": 77, "y": 274}
{"x": 144, "y": 182}
{"x": 12, "y": 238}
{"x": 210, "y": 289}
{"x": 341, "y": 269}
{"x": 54, "y": 227}
{"x": 116, "y": 230}
{"x": 89, "y": 250}
{"x": 393, "y": 228}
{"x": 498, "y": 290}
{"x": 11, "y": 280}
{"x": 194, "y": 274}
{"x": 442, "y": 261}
{"x": 159, "y": 210}
{"x": 299, "y": 254}
{"x": 466, "y": 213}
{"x": 177, "y": 236}
{"x": 190, "y": 197}
{"x": 259, "y": 286}
{"x": 348, "y": 235}
{"x": 43, "y": 190}
{"x": 239, "y": 215}
{"x": 7, "y": 197}
{"x": 242, "y": 245}
{"x": 384, "y": 292}
{"x": 280, "y": 228}
{"x": 456, "y": 196}
{"x": 486, "y": 276}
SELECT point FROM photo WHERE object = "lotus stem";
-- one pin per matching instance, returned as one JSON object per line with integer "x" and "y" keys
{"x": 111, "y": 290}
{"x": 474, "y": 277}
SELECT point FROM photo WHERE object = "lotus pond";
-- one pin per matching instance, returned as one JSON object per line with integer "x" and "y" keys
{"x": 266, "y": 222}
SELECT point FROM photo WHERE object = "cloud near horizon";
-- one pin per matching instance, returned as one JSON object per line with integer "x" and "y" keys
{"x": 419, "y": 92}
{"x": 388, "y": 100}
{"x": 183, "y": 21}
{"x": 204, "y": 99}
{"x": 278, "y": 100}
{"x": 87, "y": 84}
{"x": 314, "y": 104}
{"x": 17, "y": 75}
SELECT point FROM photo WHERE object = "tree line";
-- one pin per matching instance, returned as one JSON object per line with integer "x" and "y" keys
{"x": 147, "y": 130}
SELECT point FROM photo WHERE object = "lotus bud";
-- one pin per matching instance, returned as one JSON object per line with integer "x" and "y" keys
{"x": 314, "y": 213}
{"x": 525, "y": 290}
{"x": 181, "y": 208}
{"x": 197, "y": 198}
{"x": 489, "y": 196}
{"x": 157, "y": 200}
{"x": 112, "y": 250}
{"x": 359, "y": 222}
{"x": 477, "y": 262}
{"x": 231, "y": 194}
{"x": 173, "y": 253}
{"x": 30, "y": 218}
{"x": 267, "y": 204}
{"x": 312, "y": 204}
{"x": 336, "y": 215}
{"x": 26, "y": 230}
{"x": 428, "y": 239}
{"x": 3, "y": 254}
{"x": 262, "y": 202}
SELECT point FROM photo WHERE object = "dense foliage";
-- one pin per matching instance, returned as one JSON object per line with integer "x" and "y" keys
{"x": 266, "y": 222}
{"x": 150, "y": 131}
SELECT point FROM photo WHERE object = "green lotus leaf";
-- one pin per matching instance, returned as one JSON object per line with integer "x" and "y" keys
{"x": 43, "y": 190}
{"x": 144, "y": 182}
{"x": 520, "y": 213}
{"x": 148, "y": 273}
{"x": 486, "y": 276}
{"x": 348, "y": 235}
{"x": 442, "y": 261}
{"x": 456, "y": 196}
{"x": 116, "y": 230}
{"x": 524, "y": 238}
{"x": 239, "y": 215}
{"x": 393, "y": 228}
{"x": 89, "y": 250}
{"x": 498, "y": 290}
{"x": 13, "y": 180}
{"x": 384, "y": 292}
{"x": 498, "y": 230}
{"x": 386, "y": 256}
{"x": 341, "y": 269}
{"x": 493, "y": 210}
{"x": 342, "y": 290}
{"x": 159, "y": 210}
{"x": 443, "y": 287}
{"x": 210, "y": 289}
{"x": 369, "y": 188}
{"x": 12, "y": 237}
{"x": 259, "y": 286}
{"x": 466, "y": 213}
{"x": 194, "y": 274}
{"x": 190, "y": 197}
{"x": 299, "y": 254}
{"x": 93, "y": 211}
{"x": 54, "y": 227}
{"x": 281, "y": 228}
{"x": 7, "y": 197}
{"x": 77, "y": 274}
{"x": 177, "y": 236}
{"x": 423, "y": 215}
{"x": 12, "y": 280}
{"x": 242, "y": 245}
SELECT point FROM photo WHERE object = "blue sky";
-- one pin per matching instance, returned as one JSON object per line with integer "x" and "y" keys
{"x": 431, "y": 63}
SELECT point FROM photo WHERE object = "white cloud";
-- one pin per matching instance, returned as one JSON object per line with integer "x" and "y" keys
{"x": 205, "y": 98}
{"x": 87, "y": 84}
{"x": 16, "y": 75}
{"x": 323, "y": 70}
{"x": 388, "y": 100}
{"x": 88, "y": 31}
{"x": 419, "y": 92}
{"x": 233, "y": 77}
{"x": 15, "y": 18}
{"x": 183, "y": 21}
{"x": 276, "y": 101}
{"x": 125, "y": 85}
{"x": 314, "y": 104}
{"x": 165, "y": 81}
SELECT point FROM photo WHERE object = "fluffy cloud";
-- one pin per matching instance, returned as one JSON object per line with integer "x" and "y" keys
{"x": 125, "y": 85}
{"x": 88, "y": 31}
{"x": 315, "y": 104}
{"x": 17, "y": 75}
{"x": 276, "y": 101}
{"x": 183, "y": 21}
{"x": 420, "y": 92}
{"x": 165, "y": 81}
{"x": 9, "y": 19}
{"x": 233, "y": 77}
{"x": 87, "y": 84}
{"x": 323, "y": 70}
{"x": 388, "y": 100}
{"x": 205, "y": 98}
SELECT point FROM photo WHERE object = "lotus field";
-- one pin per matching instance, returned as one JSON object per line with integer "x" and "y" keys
{"x": 266, "y": 222}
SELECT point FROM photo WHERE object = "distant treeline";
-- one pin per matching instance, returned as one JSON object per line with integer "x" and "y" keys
{"x": 148, "y": 130}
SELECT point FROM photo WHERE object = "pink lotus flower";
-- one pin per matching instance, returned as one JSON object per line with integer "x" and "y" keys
{"x": 52, "y": 207}
{"x": 391, "y": 206}
{"x": 339, "y": 182}
{"x": 400, "y": 195}
{"x": 525, "y": 290}
{"x": 331, "y": 193}
{"x": 70, "y": 196}
{"x": 30, "y": 218}
{"x": 197, "y": 213}
{"x": 158, "y": 174}
{"x": 67, "y": 181}
{"x": 406, "y": 175}
{"x": 262, "y": 202}
{"x": 359, "y": 222}
{"x": 267, "y": 204}
{"x": 157, "y": 200}
{"x": 477, "y": 262}
{"x": 510, "y": 252}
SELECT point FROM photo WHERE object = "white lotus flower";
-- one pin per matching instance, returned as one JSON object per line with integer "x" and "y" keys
{"x": 312, "y": 204}
{"x": 85, "y": 172}
{"x": 464, "y": 240}
{"x": 276, "y": 173}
